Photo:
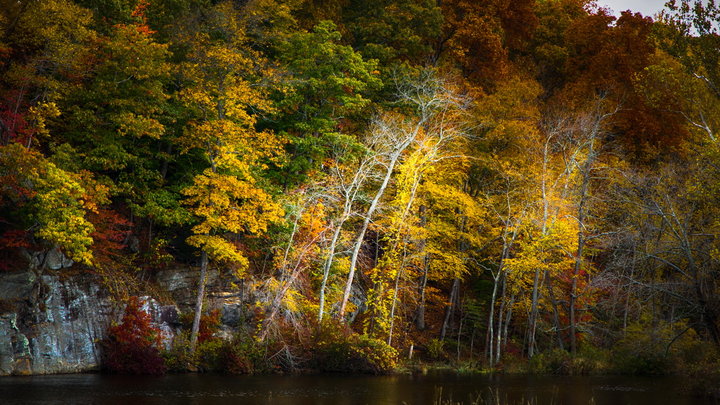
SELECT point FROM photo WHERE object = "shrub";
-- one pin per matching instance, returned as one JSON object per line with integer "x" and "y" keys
{"x": 642, "y": 351}
{"x": 374, "y": 355}
{"x": 243, "y": 355}
{"x": 179, "y": 358}
{"x": 436, "y": 349}
{"x": 133, "y": 346}
{"x": 336, "y": 349}
{"x": 209, "y": 324}
{"x": 561, "y": 362}
{"x": 646, "y": 362}
{"x": 209, "y": 355}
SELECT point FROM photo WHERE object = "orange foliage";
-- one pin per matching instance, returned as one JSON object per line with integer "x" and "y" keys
{"x": 480, "y": 35}
{"x": 607, "y": 59}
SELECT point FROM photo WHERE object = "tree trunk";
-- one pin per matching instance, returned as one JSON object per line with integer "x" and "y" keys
{"x": 361, "y": 235}
{"x": 326, "y": 269}
{"x": 502, "y": 340}
{"x": 491, "y": 323}
{"x": 556, "y": 312}
{"x": 576, "y": 269}
{"x": 199, "y": 302}
{"x": 450, "y": 308}
{"x": 394, "y": 304}
{"x": 420, "y": 321}
{"x": 532, "y": 321}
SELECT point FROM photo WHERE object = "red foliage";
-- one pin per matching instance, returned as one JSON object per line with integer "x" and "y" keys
{"x": 111, "y": 230}
{"x": 14, "y": 238}
{"x": 133, "y": 347}
{"x": 139, "y": 15}
{"x": 12, "y": 115}
{"x": 209, "y": 324}
{"x": 10, "y": 241}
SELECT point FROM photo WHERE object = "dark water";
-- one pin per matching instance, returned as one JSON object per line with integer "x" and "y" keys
{"x": 342, "y": 389}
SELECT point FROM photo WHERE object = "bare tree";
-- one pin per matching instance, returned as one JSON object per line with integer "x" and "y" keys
{"x": 390, "y": 137}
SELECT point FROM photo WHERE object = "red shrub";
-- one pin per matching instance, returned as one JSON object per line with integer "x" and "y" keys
{"x": 133, "y": 346}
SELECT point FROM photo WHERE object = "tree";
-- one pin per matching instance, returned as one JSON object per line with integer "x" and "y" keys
{"x": 431, "y": 176}
{"x": 394, "y": 31}
{"x": 227, "y": 197}
{"x": 391, "y": 135}
{"x": 51, "y": 202}
{"x": 346, "y": 182}
{"x": 329, "y": 88}
{"x": 479, "y": 36}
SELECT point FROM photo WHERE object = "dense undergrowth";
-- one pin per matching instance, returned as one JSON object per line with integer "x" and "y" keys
{"x": 135, "y": 346}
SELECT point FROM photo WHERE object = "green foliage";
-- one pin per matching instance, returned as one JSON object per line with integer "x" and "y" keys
{"x": 331, "y": 83}
{"x": 393, "y": 31}
{"x": 209, "y": 355}
{"x": 244, "y": 355}
{"x": 561, "y": 362}
{"x": 650, "y": 349}
{"x": 436, "y": 349}
{"x": 335, "y": 349}
{"x": 179, "y": 358}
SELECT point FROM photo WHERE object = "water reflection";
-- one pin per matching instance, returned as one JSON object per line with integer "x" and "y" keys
{"x": 342, "y": 390}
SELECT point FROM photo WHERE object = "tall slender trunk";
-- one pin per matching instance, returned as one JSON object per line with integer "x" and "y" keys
{"x": 532, "y": 321}
{"x": 450, "y": 308}
{"x": 494, "y": 334}
{"x": 199, "y": 301}
{"x": 394, "y": 302}
{"x": 503, "y": 338}
{"x": 420, "y": 321}
{"x": 361, "y": 235}
{"x": 556, "y": 312}
{"x": 496, "y": 339}
{"x": 491, "y": 324}
{"x": 326, "y": 268}
{"x": 580, "y": 252}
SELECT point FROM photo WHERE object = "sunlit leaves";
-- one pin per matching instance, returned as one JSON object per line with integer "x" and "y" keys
{"x": 224, "y": 202}
{"x": 226, "y": 198}
{"x": 57, "y": 201}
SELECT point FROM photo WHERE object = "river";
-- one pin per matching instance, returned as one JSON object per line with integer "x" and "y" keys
{"x": 343, "y": 389}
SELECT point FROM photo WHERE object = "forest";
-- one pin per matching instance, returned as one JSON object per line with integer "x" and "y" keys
{"x": 493, "y": 184}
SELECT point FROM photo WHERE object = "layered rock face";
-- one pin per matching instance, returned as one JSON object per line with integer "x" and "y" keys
{"x": 50, "y": 324}
{"x": 181, "y": 284}
{"x": 53, "y": 321}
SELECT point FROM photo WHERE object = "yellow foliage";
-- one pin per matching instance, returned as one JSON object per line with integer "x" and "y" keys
{"x": 59, "y": 202}
{"x": 39, "y": 114}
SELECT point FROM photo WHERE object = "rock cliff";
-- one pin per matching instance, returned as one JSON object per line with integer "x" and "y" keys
{"x": 50, "y": 324}
{"x": 53, "y": 321}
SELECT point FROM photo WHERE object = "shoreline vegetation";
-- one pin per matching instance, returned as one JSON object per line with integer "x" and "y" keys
{"x": 353, "y": 185}
{"x": 332, "y": 348}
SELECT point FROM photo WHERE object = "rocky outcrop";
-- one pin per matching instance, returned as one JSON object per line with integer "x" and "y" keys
{"x": 50, "y": 324}
{"x": 224, "y": 292}
{"x": 53, "y": 323}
